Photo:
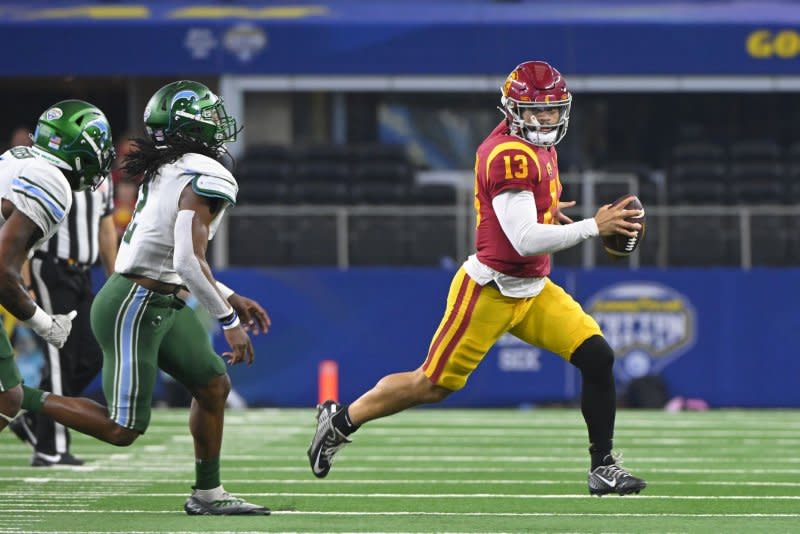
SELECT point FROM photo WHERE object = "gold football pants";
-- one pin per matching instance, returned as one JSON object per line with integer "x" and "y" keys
{"x": 476, "y": 316}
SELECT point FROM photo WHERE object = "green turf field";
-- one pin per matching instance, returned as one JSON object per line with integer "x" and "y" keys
{"x": 427, "y": 471}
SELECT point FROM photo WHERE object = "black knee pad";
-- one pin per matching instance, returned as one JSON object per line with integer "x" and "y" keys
{"x": 594, "y": 357}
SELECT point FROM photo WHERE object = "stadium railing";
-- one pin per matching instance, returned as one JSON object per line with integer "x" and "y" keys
{"x": 349, "y": 235}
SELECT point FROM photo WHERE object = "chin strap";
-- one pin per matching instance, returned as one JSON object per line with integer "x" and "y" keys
{"x": 542, "y": 138}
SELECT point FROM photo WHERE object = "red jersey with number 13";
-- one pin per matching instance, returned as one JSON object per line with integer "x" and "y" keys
{"x": 505, "y": 162}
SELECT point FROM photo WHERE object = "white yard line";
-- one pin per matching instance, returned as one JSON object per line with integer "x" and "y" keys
{"x": 442, "y": 496}
{"x": 448, "y": 514}
{"x": 147, "y": 471}
{"x": 126, "y": 483}
{"x": 145, "y": 462}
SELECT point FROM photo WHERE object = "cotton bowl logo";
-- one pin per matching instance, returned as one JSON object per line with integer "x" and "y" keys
{"x": 245, "y": 41}
{"x": 647, "y": 324}
{"x": 53, "y": 114}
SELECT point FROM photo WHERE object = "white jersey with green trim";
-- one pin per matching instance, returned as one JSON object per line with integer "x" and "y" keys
{"x": 148, "y": 243}
{"x": 36, "y": 188}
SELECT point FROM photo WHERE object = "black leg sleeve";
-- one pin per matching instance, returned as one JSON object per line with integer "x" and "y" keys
{"x": 595, "y": 359}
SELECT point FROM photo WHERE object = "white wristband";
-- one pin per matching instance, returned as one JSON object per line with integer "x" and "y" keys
{"x": 229, "y": 321}
{"x": 224, "y": 290}
{"x": 40, "y": 321}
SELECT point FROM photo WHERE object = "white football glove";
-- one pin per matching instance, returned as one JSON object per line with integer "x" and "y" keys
{"x": 56, "y": 331}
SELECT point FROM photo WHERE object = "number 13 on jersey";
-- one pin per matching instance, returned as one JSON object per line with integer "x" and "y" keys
{"x": 516, "y": 166}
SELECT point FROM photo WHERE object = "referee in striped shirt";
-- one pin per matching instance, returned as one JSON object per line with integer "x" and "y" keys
{"x": 59, "y": 276}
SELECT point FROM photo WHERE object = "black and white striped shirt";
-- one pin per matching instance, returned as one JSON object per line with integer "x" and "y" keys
{"x": 77, "y": 238}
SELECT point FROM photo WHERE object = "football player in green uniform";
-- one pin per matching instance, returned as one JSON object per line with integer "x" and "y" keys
{"x": 72, "y": 151}
{"x": 139, "y": 317}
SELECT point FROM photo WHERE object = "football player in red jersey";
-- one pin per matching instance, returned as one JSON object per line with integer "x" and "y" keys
{"x": 504, "y": 287}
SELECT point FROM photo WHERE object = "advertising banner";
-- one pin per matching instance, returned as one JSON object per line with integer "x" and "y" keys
{"x": 723, "y": 335}
{"x": 342, "y": 38}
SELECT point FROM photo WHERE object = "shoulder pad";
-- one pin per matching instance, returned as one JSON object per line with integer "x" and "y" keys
{"x": 209, "y": 177}
{"x": 198, "y": 164}
{"x": 42, "y": 192}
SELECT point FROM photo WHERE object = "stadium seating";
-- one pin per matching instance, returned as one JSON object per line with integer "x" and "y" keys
{"x": 432, "y": 240}
{"x": 320, "y": 182}
{"x": 264, "y": 181}
{"x": 332, "y": 174}
{"x": 705, "y": 241}
{"x": 756, "y": 172}
{"x": 743, "y": 172}
{"x": 757, "y": 183}
{"x": 259, "y": 240}
{"x": 697, "y": 151}
{"x": 370, "y": 174}
{"x": 382, "y": 182}
{"x": 375, "y": 240}
{"x": 758, "y": 150}
{"x": 770, "y": 240}
{"x": 313, "y": 240}
{"x": 696, "y": 182}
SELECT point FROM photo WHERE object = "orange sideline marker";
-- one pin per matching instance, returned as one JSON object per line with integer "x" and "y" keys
{"x": 328, "y": 380}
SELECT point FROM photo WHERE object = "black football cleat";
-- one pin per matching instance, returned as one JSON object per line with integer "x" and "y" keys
{"x": 327, "y": 440}
{"x": 613, "y": 478}
{"x": 41, "y": 459}
{"x": 22, "y": 428}
{"x": 228, "y": 505}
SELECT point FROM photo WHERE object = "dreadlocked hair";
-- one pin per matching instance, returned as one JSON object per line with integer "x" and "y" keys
{"x": 146, "y": 158}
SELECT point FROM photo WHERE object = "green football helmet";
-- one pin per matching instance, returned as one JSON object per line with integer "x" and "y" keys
{"x": 191, "y": 110}
{"x": 75, "y": 136}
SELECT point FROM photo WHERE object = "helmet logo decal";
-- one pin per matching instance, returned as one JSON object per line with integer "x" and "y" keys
{"x": 147, "y": 112}
{"x": 54, "y": 142}
{"x": 53, "y": 114}
{"x": 511, "y": 77}
{"x": 101, "y": 125}
{"x": 189, "y": 95}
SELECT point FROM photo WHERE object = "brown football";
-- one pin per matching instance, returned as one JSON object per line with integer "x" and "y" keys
{"x": 619, "y": 245}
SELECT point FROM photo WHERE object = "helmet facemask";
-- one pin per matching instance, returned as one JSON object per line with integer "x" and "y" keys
{"x": 211, "y": 124}
{"x": 92, "y": 170}
{"x": 531, "y": 130}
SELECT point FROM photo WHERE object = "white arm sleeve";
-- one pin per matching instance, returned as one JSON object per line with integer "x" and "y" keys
{"x": 224, "y": 290}
{"x": 188, "y": 268}
{"x": 516, "y": 211}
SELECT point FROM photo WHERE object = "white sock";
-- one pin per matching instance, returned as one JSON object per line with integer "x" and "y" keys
{"x": 210, "y": 495}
